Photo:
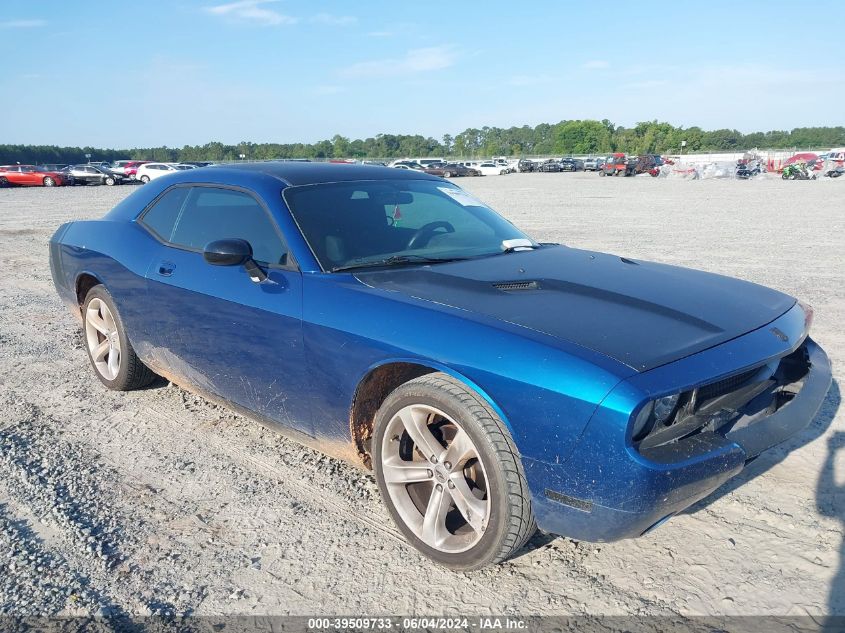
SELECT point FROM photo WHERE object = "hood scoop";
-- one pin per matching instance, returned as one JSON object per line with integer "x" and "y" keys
{"x": 510, "y": 286}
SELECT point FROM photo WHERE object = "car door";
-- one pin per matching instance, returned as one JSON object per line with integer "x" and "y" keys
{"x": 78, "y": 172}
{"x": 29, "y": 176}
{"x": 92, "y": 175}
{"x": 12, "y": 174}
{"x": 214, "y": 326}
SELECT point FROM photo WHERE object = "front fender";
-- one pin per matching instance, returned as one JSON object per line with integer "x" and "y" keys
{"x": 544, "y": 394}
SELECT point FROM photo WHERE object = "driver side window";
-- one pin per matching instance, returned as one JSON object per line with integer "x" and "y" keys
{"x": 191, "y": 217}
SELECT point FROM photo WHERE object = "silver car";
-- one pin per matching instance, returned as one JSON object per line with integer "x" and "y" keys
{"x": 593, "y": 163}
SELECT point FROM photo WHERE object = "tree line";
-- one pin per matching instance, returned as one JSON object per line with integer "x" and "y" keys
{"x": 545, "y": 139}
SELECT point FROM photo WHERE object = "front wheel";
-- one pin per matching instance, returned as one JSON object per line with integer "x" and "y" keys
{"x": 4, "y": 182}
{"x": 448, "y": 174}
{"x": 111, "y": 355}
{"x": 49, "y": 182}
{"x": 110, "y": 181}
{"x": 448, "y": 471}
{"x": 145, "y": 179}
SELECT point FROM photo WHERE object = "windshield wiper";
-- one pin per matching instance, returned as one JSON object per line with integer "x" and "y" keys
{"x": 397, "y": 260}
{"x": 518, "y": 244}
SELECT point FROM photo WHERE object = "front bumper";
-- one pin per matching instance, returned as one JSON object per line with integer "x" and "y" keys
{"x": 670, "y": 479}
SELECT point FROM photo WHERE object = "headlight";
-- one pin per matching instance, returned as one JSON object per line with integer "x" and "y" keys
{"x": 655, "y": 412}
{"x": 663, "y": 407}
{"x": 642, "y": 420}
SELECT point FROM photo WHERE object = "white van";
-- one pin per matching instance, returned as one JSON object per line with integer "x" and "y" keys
{"x": 425, "y": 162}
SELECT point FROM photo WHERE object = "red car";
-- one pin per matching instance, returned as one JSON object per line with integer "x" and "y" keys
{"x": 130, "y": 168}
{"x": 30, "y": 176}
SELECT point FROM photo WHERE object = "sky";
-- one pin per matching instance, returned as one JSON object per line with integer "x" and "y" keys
{"x": 174, "y": 72}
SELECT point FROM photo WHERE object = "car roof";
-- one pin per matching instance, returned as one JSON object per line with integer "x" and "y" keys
{"x": 297, "y": 173}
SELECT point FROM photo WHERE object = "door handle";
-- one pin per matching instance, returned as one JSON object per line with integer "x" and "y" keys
{"x": 165, "y": 269}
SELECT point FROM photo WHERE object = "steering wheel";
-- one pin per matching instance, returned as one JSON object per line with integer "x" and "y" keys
{"x": 423, "y": 234}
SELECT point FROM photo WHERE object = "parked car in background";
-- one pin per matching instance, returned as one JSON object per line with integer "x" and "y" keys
{"x": 406, "y": 165}
{"x": 489, "y": 168}
{"x": 451, "y": 170}
{"x": 197, "y": 163}
{"x": 93, "y": 175}
{"x": 645, "y": 164}
{"x": 411, "y": 164}
{"x": 568, "y": 164}
{"x": 508, "y": 165}
{"x": 551, "y": 166}
{"x": 151, "y": 171}
{"x": 526, "y": 166}
{"x": 30, "y": 176}
{"x": 130, "y": 169}
{"x": 425, "y": 162}
{"x": 593, "y": 163}
{"x": 118, "y": 166}
{"x": 615, "y": 165}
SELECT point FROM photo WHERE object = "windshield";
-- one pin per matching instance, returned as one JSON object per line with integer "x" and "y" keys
{"x": 361, "y": 222}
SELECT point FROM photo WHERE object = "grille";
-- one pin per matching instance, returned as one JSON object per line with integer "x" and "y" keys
{"x": 516, "y": 285}
{"x": 726, "y": 385}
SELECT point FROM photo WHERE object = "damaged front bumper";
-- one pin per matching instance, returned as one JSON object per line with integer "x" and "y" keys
{"x": 595, "y": 496}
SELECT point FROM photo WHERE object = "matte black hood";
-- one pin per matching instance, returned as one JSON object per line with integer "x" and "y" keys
{"x": 640, "y": 313}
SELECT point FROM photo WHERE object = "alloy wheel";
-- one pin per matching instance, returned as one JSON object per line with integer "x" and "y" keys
{"x": 103, "y": 338}
{"x": 435, "y": 478}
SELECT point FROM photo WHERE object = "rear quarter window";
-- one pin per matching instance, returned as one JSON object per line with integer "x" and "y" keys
{"x": 161, "y": 217}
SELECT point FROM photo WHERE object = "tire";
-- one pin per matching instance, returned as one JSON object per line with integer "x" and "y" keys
{"x": 118, "y": 367}
{"x": 488, "y": 481}
{"x": 447, "y": 174}
{"x": 145, "y": 179}
{"x": 109, "y": 181}
{"x": 4, "y": 182}
{"x": 48, "y": 182}
{"x": 602, "y": 174}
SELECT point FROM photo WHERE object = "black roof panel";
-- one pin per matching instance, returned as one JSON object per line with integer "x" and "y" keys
{"x": 302, "y": 173}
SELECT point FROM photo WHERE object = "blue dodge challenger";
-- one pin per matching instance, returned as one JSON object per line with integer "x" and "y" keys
{"x": 494, "y": 384}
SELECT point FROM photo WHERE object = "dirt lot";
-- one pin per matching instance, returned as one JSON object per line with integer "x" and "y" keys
{"x": 157, "y": 501}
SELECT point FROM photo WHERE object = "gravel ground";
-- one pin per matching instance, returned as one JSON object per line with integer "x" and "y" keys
{"x": 158, "y": 502}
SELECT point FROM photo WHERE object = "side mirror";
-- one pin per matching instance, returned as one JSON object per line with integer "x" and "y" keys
{"x": 230, "y": 252}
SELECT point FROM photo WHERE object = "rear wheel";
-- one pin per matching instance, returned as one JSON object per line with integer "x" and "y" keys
{"x": 145, "y": 179}
{"x": 110, "y": 181}
{"x": 111, "y": 355}
{"x": 449, "y": 474}
{"x": 4, "y": 182}
{"x": 448, "y": 174}
{"x": 49, "y": 181}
